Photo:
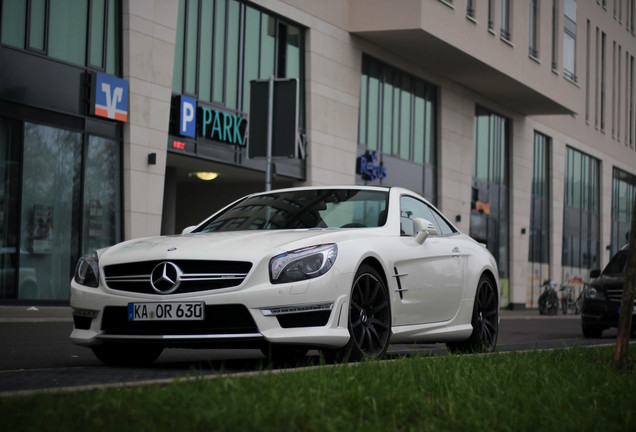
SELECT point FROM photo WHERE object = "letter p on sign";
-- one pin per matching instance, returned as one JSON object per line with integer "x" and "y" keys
{"x": 187, "y": 119}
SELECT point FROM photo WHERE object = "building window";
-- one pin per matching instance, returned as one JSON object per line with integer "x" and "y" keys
{"x": 398, "y": 117}
{"x": 569, "y": 40}
{"x": 623, "y": 195}
{"x": 81, "y": 32}
{"x": 539, "y": 239}
{"x": 222, "y": 45}
{"x": 489, "y": 201}
{"x": 602, "y": 101}
{"x": 630, "y": 101}
{"x": 470, "y": 8}
{"x": 581, "y": 234}
{"x": 491, "y": 15}
{"x": 533, "y": 37}
{"x": 555, "y": 32}
{"x": 539, "y": 206}
{"x": 61, "y": 198}
{"x": 505, "y": 20}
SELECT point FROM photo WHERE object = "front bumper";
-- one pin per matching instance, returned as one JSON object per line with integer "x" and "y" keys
{"x": 601, "y": 313}
{"x": 311, "y": 313}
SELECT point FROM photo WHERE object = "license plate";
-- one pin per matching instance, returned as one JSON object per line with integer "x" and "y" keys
{"x": 166, "y": 311}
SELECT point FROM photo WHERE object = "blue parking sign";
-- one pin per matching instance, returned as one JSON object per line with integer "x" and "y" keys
{"x": 188, "y": 117}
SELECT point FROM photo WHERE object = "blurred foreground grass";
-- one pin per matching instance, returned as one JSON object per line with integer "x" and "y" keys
{"x": 562, "y": 390}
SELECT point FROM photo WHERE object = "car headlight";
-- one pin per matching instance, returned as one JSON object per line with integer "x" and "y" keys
{"x": 87, "y": 270}
{"x": 593, "y": 293}
{"x": 301, "y": 264}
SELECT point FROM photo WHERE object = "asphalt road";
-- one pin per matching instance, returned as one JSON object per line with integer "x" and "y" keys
{"x": 39, "y": 355}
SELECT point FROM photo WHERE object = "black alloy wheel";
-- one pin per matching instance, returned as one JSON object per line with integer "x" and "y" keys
{"x": 369, "y": 316}
{"x": 485, "y": 320}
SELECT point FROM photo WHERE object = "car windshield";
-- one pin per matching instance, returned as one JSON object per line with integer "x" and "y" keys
{"x": 617, "y": 263}
{"x": 313, "y": 208}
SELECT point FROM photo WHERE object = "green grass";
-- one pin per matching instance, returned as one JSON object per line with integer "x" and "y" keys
{"x": 565, "y": 390}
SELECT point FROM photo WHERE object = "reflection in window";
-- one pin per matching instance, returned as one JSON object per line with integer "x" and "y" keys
{"x": 102, "y": 207}
{"x": 397, "y": 117}
{"x": 489, "y": 201}
{"x": 10, "y": 133}
{"x": 538, "y": 250}
{"x": 623, "y": 195}
{"x": 303, "y": 209}
{"x": 51, "y": 185}
{"x": 222, "y": 45}
{"x": 581, "y": 235}
{"x": 66, "y": 30}
{"x": 569, "y": 39}
{"x": 411, "y": 208}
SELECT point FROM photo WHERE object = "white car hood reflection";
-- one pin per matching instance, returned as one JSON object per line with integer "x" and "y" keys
{"x": 230, "y": 245}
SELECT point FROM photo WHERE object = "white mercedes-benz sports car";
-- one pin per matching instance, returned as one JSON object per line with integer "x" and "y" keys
{"x": 346, "y": 270}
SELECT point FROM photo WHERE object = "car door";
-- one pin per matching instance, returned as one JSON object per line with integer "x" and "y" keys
{"x": 429, "y": 275}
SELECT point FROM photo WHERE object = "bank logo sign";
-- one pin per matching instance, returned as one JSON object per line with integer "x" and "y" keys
{"x": 370, "y": 167}
{"x": 209, "y": 123}
{"x": 109, "y": 97}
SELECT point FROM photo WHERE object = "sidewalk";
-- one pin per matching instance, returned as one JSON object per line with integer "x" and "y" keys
{"x": 26, "y": 313}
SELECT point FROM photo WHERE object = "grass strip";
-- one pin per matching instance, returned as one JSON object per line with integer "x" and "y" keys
{"x": 566, "y": 389}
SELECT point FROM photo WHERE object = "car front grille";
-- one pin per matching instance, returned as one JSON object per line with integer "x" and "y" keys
{"x": 219, "y": 319}
{"x": 616, "y": 295}
{"x": 196, "y": 275}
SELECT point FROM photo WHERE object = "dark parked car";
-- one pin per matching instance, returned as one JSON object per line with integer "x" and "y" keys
{"x": 603, "y": 297}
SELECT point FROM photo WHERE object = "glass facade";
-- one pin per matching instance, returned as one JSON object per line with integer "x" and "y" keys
{"x": 222, "y": 45}
{"x": 398, "y": 117}
{"x": 489, "y": 201}
{"x": 539, "y": 239}
{"x": 63, "y": 201}
{"x": 539, "y": 245}
{"x": 623, "y": 195}
{"x": 581, "y": 233}
{"x": 80, "y": 32}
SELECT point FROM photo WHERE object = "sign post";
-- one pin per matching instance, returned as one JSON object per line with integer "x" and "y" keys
{"x": 270, "y": 130}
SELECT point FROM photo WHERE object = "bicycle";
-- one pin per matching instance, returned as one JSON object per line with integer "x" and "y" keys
{"x": 549, "y": 300}
{"x": 569, "y": 304}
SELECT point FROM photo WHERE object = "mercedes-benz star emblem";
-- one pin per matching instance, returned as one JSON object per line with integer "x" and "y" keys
{"x": 165, "y": 277}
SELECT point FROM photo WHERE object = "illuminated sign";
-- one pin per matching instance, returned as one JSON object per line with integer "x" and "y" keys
{"x": 209, "y": 123}
{"x": 221, "y": 126}
{"x": 109, "y": 97}
{"x": 370, "y": 167}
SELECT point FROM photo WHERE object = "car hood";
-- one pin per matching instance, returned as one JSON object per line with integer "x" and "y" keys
{"x": 233, "y": 245}
{"x": 612, "y": 281}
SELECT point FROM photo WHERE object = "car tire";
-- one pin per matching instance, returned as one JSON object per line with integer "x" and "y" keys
{"x": 369, "y": 321}
{"x": 485, "y": 321}
{"x": 122, "y": 354}
{"x": 591, "y": 331}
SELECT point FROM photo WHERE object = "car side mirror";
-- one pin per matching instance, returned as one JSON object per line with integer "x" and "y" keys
{"x": 423, "y": 229}
{"x": 188, "y": 230}
{"x": 595, "y": 273}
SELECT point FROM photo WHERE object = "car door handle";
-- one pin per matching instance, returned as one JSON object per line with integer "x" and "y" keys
{"x": 456, "y": 252}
